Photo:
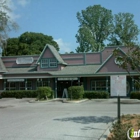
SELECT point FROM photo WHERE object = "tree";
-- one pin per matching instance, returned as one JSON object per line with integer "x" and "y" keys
{"x": 130, "y": 61}
{"x": 125, "y": 30}
{"x": 95, "y": 27}
{"x": 6, "y": 23}
{"x": 28, "y": 43}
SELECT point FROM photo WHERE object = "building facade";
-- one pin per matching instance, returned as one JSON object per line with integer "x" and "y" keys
{"x": 95, "y": 71}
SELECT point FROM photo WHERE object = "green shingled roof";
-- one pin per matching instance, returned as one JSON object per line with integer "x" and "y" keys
{"x": 77, "y": 70}
{"x": 2, "y": 67}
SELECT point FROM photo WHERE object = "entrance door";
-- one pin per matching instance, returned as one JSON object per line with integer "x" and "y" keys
{"x": 60, "y": 87}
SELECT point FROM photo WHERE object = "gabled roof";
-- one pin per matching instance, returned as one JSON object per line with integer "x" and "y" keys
{"x": 109, "y": 59}
{"x": 2, "y": 67}
{"x": 54, "y": 52}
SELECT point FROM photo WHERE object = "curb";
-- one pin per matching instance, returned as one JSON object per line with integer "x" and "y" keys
{"x": 107, "y": 132}
{"x": 65, "y": 101}
{"x": 58, "y": 99}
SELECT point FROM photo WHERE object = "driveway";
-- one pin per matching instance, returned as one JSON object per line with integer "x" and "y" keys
{"x": 21, "y": 120}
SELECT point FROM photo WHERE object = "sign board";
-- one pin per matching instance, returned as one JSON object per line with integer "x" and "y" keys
{"x": 15, "y": 80}
{"x": 67, "y": 79}
{"x": 24, "y": 60}
{"x": 118, "y": 85}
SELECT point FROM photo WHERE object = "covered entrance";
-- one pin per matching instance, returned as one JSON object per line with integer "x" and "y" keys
{"x": 63, "y": 83}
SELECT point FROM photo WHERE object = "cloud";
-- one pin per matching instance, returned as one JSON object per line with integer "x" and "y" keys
{"x": 64, "y": 47}
{"x": 23, "y": 3}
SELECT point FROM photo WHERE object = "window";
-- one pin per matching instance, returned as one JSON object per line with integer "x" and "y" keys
{"x": 29, "y": 85}
{"x": 22, "y": 86}
{"x": 42, "y": 82}
{"x": 44, "y": 63}
{"x": 52, "y": 63}
{"x": 98, "y": 85}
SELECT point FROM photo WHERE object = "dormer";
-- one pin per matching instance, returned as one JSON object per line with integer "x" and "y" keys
{"x": 50, "y": 59}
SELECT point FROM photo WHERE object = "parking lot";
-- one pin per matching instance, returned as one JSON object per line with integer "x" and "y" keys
{"x": 54, "y": 120}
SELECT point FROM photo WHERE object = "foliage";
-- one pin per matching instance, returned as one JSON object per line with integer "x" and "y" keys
{"x": 44, "y": 92}
{"x": 6, "y": 22}
{"x": 119, "y": 131}
{"x": 75, "y": 92}
{"x": 96, "y": 94}
{"x": 98, "y": 25}
{"x": 125, "y": 31}
{"x": 28, "y": 43}
{"x": 95, "y": 27}
{"x": 19, "y": 94}
{"x": 135, "y": 95}
{"x": 130, "y": 61}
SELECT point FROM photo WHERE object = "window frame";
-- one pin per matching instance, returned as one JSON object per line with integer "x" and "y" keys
{"x": 48, "y": 63}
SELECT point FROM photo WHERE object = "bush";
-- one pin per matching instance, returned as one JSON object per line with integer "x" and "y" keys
{"x": 75, "y": 92}
{"x": 96, "y": 94}
{"x": 135, "y": 95}
{"x": 44, "y": 93}
{"x": 19, "y": 94}
{"x": 119, "y": 131}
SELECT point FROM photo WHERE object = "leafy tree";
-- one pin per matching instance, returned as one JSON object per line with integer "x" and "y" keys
{"x": 28, "y": 43}
{"x": 95, "y": 27}
{"x": 130, "y": 61}
{"x": 125, "y": 30}
{"x": 6, "y": 23}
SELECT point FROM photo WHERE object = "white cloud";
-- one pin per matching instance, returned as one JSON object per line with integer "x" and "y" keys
{"x": 23, "y": 2}
{"x": 64, "y": 47}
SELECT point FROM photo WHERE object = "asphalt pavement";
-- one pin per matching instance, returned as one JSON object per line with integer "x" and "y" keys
{"x": 23, "y": 119}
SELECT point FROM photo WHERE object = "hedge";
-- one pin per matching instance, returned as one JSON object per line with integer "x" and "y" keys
{"x": 44, "y": 92}
{"x": 135, "y": 95}
{"x": 19, "y": 94}
{"x": 75, "y": 92}
{"x": 96, "y": 94}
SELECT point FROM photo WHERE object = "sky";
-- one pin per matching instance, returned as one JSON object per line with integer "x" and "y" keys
{"x": 57, "y": 18}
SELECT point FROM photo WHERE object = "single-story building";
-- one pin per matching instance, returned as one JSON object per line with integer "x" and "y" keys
{"x": 95, "y": 71}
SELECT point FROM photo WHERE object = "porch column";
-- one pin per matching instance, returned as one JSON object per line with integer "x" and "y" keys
{"x": 48, "y": 82}
{"x": 107, "y": 83}
{"x": 85, "y": 83}
{"x": 55, "y": 86}
{"x": 4, "y": 84}
{"x": 133, "y": 84}
{"x": 25, "y": 84}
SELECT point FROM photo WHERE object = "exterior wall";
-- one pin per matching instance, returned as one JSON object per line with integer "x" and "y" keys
{"x": 82, "y": 58}
{"x": 11, "y": 61}
{"x": 72, "y": 59}
{"x": 93, "y": 58}
{"x": 110, "y": 66}
{"x": 48, "y": 54}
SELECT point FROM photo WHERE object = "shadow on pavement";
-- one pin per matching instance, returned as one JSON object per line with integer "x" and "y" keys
{"x": 88, "y": 119}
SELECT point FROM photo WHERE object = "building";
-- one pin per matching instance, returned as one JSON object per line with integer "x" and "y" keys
{"x": 95, "y": 71}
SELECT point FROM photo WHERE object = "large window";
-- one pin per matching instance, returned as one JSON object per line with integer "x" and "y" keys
{"x": 98, "y": 85}
{"x": 29, "y": 85}
{"x": 42, "y": 82}
{"x": 45, "y": 63}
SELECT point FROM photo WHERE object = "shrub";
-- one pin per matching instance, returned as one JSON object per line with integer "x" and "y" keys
{"x": 96, "y": 94}
{"x": 44, "y": 92}
{"x": 135, "y": 95}
{"x": 19, "y": 94}
{"x": 119, "y": 131}
{"x": 75, "y": 92}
